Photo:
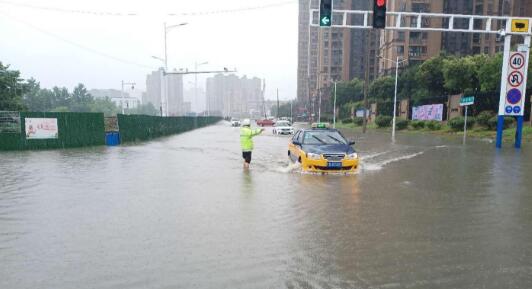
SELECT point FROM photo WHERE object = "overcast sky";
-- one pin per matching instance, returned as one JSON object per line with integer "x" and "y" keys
{"x": 63, "y": 48}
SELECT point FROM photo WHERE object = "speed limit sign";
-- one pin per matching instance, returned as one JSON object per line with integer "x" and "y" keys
{"x": 517, "y": 61}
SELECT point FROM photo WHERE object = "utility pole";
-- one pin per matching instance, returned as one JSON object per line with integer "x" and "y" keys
{"x": 291, "y": 113}
{"x": 334, "y": 106}
{"x": 122, "y": 94}
{"x": 366, "y": 81}
{"x": 277, "y": 103}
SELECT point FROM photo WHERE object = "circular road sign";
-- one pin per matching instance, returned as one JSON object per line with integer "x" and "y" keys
{"x": 515, "y": 78}
{"x": 513, "y": 96}
{"x": 517, "y": 61}
{"x": 509, "y": 109}
{"x": 517, "y": 109}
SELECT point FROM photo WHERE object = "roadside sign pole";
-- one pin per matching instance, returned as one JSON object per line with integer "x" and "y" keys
{"x": 519, "y": 132}
{"x": 465, "y": 125}
{"x": 466, "y": 101}
{"x": 505, "y": 60}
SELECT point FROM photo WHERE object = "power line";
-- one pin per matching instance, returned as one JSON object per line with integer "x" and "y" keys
{"x": 133, "y": 14}
{"x": 75, "y": 44}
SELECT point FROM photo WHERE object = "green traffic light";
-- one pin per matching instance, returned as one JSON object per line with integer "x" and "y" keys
{"x": 325, "y": 13}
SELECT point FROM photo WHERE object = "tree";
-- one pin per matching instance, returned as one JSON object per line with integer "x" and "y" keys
{"x": 105, "y": 105}
{"x": 81, "y": 99}
{"x": 430, "y": 76}
{"x": 382, "y": 88}
{"x": 145, "y": 109}
{"x": 11, "y": 89}
{"x": 348, "y": 91}
{"x": 490, "y": 74}
{"x": 408, "y": 83}
{"x": 460, "y": 74}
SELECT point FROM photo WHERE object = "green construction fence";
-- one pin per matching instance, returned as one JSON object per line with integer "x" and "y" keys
{"x": 74, "y": 130}
{"x": 143, "y": 127}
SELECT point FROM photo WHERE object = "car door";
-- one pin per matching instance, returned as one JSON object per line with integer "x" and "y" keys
{"x": 294, "y": 149}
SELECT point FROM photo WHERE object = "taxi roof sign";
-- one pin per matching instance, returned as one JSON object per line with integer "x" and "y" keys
{"x": 319, "y": 125}
{"x": 520, "y": 25}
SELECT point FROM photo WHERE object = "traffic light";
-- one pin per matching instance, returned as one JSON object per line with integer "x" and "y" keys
{"x": 325, "y": 13}
{"x": 379, "y": 14}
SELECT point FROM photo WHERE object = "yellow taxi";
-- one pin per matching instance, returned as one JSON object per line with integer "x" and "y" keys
{"x": 322, "y": 149}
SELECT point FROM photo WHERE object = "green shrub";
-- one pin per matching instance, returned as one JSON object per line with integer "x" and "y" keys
{"x": 433, "y": 125}
{"x": 508, "y": 122}
{"x": 383, "y": 121}
{"x": 484, "y": 117}
{"x": 417, "y": 124}
{"x": 457, "y": 123}
{"x": 347, "y": 120}
{"x": 359, "y": 121}
{"x": 492, "y": 123}
{"x": 401, "y": 124}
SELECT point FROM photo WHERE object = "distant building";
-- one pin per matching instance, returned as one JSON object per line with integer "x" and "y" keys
{"x": 154, "y": 84}
{"x": 115, "y": 96}
{"x": 175, "y": 94}
{"x": 229, "y": 95}
{"x": 156, "y": 90}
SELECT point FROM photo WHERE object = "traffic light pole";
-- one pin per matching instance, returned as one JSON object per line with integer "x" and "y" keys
{"x": 488, "y": 25}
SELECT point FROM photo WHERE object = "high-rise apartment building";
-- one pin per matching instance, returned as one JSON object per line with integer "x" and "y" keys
{"x": 160, "y": 86}
{"x": 412, "y": 45}
{"x": 467, "y": 43}
{"x": 175, "y": 94}
{"x": 327, "y": 54}
{"x": 154, "y": 86}
{"x": 229, "y": 95}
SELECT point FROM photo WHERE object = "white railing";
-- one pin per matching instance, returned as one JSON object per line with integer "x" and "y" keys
{"x": 413, "y": 21}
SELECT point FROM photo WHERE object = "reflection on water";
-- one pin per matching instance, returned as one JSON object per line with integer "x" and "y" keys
{"x": 180, "y": 212}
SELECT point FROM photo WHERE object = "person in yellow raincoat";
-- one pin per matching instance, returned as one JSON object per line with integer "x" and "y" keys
{"x": 246, "y": 140}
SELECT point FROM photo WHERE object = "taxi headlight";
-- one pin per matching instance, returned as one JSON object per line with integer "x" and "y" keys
{"x": 312, "y": 156}
{"x": 352, "y": 156}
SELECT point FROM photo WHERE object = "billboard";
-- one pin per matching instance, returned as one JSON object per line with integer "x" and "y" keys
{"x": 41, "y": 128}
{"x": 428, "y": 112}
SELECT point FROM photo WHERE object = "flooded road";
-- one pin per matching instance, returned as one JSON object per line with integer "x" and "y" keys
{"x": 179, "y": 212}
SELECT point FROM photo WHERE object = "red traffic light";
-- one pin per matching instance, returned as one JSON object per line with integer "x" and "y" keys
{"x": 381, "y": 3}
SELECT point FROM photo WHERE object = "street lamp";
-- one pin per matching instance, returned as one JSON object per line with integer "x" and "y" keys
{"x": 164, "y": 95}
{"x": 166, "y": 30}
{"x": 397, "y": 62}
{"x": 196, "y": 65}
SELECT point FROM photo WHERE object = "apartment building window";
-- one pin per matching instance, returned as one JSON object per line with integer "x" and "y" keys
{"x": 420, "y": 7}
{"x": 476, "y": 38}
{"x": 413, "y": 21}
{"x": 476, "y": 50}
{"x": 479, "y": 9}
{"x": 400, "y": 50}
{"x": 415, "y": 35}
{"x": 400, "y": 36}
{"x": 416, "y": 51}
{"x": 486, "y": 50}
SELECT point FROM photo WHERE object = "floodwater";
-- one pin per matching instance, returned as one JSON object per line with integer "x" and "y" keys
{"x": 180, "y": 212}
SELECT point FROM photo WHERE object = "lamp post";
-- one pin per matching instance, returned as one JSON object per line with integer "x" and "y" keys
{"x": 196, "y": 65}
{"x": 397, "y": 62}
{"x": 164, "y": 96}
{"x": 334, "y": 105}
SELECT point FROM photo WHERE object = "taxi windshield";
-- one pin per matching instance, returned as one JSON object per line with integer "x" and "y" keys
{"x": 323, "y": 137}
